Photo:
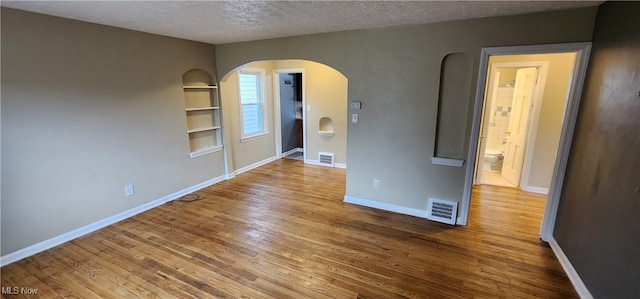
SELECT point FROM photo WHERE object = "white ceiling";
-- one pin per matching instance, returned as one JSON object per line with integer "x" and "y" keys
{"x": 219, "y": 22}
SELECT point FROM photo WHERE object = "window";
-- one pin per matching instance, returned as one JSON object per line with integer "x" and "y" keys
{"x": 252, "y": 106}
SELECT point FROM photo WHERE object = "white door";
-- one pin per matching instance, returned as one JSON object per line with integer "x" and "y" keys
{"x": 518, "y": 124}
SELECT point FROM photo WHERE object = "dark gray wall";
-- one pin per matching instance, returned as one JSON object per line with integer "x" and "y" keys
{"x": 598, "y": 223}
{"x": 287, "y": 112}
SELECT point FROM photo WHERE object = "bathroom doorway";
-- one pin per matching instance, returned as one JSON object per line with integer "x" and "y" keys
{"x": 525, "y": 100}
{"x": 548, "y": 159}
{"x": 513, "y": 89}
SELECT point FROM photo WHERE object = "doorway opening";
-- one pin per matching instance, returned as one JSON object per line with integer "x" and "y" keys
{"x": 518, "y": 111}
{"x": 522, "y": 120}
{"x": 289, "y": 98}
{"x": 306, "y": 95}
{"x": 316, "y": 92}
{"x": 542, "y": 122}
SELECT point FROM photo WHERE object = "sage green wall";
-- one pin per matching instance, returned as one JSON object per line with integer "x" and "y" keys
{"x": 87, "y": 109}
{"x": 554, "y": 100}
{"x": 394, "y": 72}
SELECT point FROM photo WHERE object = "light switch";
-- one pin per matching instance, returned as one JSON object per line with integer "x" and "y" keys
{"x": 354, "y": 118}
{"x": 308, "y": 108}
{"x": 128, "y": 190}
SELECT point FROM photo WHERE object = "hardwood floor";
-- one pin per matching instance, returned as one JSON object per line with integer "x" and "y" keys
{"x": 283, "y": 231}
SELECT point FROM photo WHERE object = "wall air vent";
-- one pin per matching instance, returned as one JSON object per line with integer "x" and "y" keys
{"x": 441, "y": 210}
{"x": 325, "y": 159}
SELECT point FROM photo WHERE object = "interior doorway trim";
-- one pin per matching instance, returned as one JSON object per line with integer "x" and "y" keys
{"x": 276, "y": 110}
{"x": 582, "y": 51}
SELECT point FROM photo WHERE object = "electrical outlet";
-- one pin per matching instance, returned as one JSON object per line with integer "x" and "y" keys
{"x": 354, "y": 118}
{"x": 376, "y": 184}
{"x": 128, "y": 190}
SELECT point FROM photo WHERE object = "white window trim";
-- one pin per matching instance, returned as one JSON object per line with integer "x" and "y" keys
{"x": 265, "y": 132}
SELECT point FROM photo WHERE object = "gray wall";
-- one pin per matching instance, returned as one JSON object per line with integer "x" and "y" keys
{"x": 394, "y": 72}
{"x": 598, "y": 222}
{"x": 87, "y": 109}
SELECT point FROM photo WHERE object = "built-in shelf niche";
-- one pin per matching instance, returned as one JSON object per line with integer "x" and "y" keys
{"x": 202, "y": 110}
{"x": 453, "y": 106}
{"x": 325, "y": 126}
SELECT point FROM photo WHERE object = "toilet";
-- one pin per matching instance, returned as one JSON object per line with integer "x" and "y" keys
{"x": 493, "y": 160}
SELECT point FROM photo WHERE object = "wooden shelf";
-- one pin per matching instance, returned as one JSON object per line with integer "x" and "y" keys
{"x": 203, "y": 129}
{"x": 199, "y": 87}
{"x": 204, "y": 151}
{"x": 447, "y": 161}
{"x": 201, "y": 109}
{"x": 325, "y": 133}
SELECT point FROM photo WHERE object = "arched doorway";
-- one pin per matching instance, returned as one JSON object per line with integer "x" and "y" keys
{"x": 323, "y": 96}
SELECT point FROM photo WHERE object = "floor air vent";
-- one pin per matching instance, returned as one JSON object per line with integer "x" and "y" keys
{"x": 325, "y": 159}
{"x": 442, "y": 210}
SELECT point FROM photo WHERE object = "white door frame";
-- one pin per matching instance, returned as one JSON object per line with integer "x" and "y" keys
{"x": 582, "y": 51}
{"x": 543, "y": 67}
{"x": 276, "y": 110}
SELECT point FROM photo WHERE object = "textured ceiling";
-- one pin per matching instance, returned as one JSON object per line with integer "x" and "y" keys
{"x": 219, "y": 22}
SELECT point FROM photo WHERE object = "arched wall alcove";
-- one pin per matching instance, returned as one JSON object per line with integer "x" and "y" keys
{"x": 324, "y": 94}
{"x": 196, "y": 77}
{"x": 325, "y": 126}
{"x": 202, "y": 111}
{"x": 453, "y": 102}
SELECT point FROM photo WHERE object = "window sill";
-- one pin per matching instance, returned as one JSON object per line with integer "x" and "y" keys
{"x": 254, "y": 137}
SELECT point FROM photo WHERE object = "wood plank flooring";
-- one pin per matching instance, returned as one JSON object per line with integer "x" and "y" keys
{"x": 283, "y": 231}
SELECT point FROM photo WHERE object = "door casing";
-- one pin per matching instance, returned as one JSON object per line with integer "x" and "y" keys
{"x": 582, "y": 51}
{"x": 277, "y": 116}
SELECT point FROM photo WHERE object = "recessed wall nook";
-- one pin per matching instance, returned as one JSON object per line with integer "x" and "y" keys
{"x": 202, "y": 110}
{"x": 453, "y": 106}
{"x": 325, "y": 126}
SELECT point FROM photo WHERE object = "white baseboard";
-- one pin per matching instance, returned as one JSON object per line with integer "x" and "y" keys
{"x": 89, "y": 228}
{"x": 385, "y": 206}
{"x": 295, "y": 150}
{"x": 575, "y": 279}
{"x": 316, "y": 162}
{"x": 255, "y": 165}
{"x": 538, "y": 190}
